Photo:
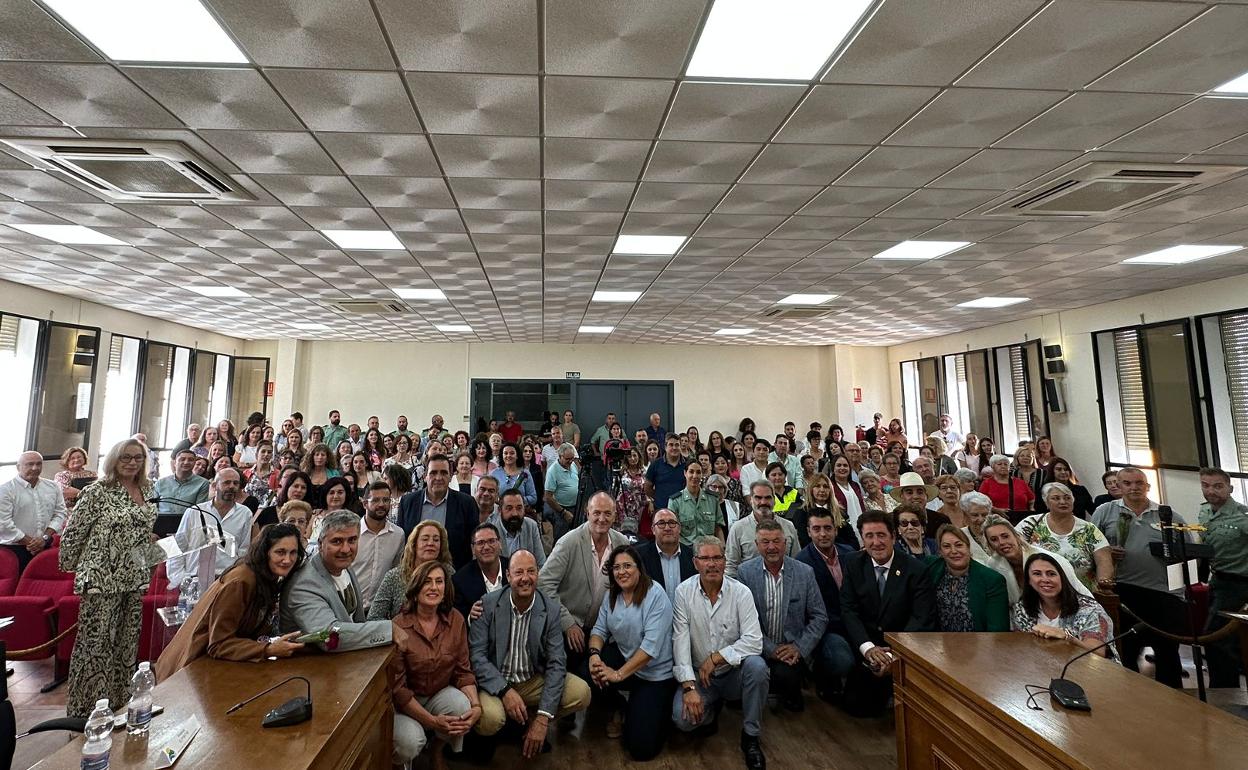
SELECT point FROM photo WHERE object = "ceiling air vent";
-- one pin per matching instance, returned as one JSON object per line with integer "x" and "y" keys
{"x": 1106, "y": 190}
{"x": 368, "y": 306}
{"x": 796, "y": 312}
{"x": 132, "y": 170}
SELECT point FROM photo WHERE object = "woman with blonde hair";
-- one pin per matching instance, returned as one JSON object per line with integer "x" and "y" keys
{"x": 111, "y": 523}
{"x": 73, "y": 469}
{"x": 428, "y": 542}
{"x": 1008, "y": 553}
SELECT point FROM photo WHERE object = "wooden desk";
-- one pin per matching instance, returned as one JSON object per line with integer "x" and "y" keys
{"x": 352, "y": 725}
{"x": 961, "y": 706}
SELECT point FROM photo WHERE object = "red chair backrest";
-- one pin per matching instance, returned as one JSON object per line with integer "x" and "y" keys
{"x": 8, "y": 572}
{"x": 43, "y": 576}
{"x": 160, "y": 581}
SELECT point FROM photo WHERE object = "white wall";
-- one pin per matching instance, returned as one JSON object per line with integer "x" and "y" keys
{"x": 1077, "y": 433}
{"x": 715, "y": 385}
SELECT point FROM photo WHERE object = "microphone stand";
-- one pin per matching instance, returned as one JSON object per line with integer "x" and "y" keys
{"x": 1190, "y": 600}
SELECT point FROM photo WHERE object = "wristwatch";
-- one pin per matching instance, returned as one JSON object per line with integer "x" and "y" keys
{"x": 688, "y": 687}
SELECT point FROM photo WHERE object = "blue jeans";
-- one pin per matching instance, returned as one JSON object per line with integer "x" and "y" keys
{"x": 833, "y": 658}
{"x": 749, "y": 682}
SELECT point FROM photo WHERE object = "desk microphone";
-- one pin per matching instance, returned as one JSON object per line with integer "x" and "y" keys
{"x": 158, "y": 499}
{"x": 1071, "y": 695}
{"x": 292, "y": 712}
{"x": 1165, "y": 516}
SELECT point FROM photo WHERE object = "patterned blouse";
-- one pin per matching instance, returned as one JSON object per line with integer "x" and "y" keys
{"x": 1078, "y": 546}
{"x": 99, "y": 545}
{"x": 632, "y": 503}
{"x": 953, "y": 603}
{"x": 1089, "y": 622}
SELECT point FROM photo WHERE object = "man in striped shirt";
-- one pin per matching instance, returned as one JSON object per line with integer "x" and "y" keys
{"x": 516, "y": 648}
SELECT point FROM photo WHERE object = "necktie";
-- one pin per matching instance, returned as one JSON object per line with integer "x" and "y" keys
{"x": 881, "y": 575}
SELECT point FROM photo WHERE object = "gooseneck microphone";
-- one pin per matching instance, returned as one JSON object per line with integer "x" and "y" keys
{"x": 1165, "y": 516}
{"x": 1071, "y": 695}
{"x": 292, "y": 712}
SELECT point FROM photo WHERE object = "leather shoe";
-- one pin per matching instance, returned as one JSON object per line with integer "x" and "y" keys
{"x": 752, "y": 750}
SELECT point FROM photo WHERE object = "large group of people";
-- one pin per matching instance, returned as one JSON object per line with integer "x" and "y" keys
{"x": 519, "y": 577}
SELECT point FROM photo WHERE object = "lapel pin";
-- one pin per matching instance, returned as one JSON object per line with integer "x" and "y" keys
{"x": 897, "y": 573}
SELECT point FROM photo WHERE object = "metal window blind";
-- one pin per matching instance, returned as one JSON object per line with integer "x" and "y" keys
{"x": 9, "y": 326}
{"x": 1018, "y": 381}
{"x": 1234, "y": 328}
{"x": 115, "y": 349}
{"x": 959, "y": 368}
{"x": 1131, "y": 390}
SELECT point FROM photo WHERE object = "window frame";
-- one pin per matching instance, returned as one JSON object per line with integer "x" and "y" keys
{"x": 1210, "y": 422}
{"x": 42, "y": 351}
{"x": 229, "y": 391}
{"x": 998, "y": 408}
{"x": 1198, "y": 393}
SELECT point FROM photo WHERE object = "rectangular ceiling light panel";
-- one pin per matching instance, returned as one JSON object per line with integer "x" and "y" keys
{"x": 181, "y": 31}
{"x": 776, "y": 40}
{"x": 922, "y": 249}
{"x": 1180, "y": 255}
{"x": 73, "y": 235}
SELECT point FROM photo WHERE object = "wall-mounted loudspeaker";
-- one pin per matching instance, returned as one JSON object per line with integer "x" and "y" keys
{"x": 1054, "y": 364}
{"x": 1054, "y": 398}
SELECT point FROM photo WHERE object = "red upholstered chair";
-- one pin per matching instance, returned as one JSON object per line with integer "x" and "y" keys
{"x": 8, "y": 572}
{"x": 33, "y": 606}
{"x": 159, "y": 594}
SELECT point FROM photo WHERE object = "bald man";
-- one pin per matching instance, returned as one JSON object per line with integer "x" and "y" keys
{"x": 32, "y": 510}
{"x": 222, "y": 514}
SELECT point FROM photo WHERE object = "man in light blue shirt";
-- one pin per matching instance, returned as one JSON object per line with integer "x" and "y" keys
{"x": 560, "y": 491}
{"x": 792, "y": 463}
{"x": 183, "y": 485}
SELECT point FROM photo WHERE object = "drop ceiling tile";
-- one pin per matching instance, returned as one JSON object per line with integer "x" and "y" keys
{"x": 698, "y": 161}
{"x": 339, "y": 217}
{"x": 85, "y": 95}
{"x": 216, "y": 98}
{"x": 1208, "y": 51}
{"x": 581, "y": 223}
{"x": 738, "y": 225}
{"x": 272, "y": 152}
{"x": 489, "y": 156}
{"x": 728, "y": 112}
{"x": 16, "y": 111}
{"x": 497, "y": 193}
{"x": 934, "y": 203}
{"x": 854, "y": 201}
{"x": 96, "y": 215}
{"x": 502, "y": 221}
{"x": 903, "y": 166}
{"x": 1073, "y": 42}
{"x": 604, "y": 108}
{"x": 460, "y": 103}
{"x": 852, "y": 114}
{"x": 607, "y": 38}
{"x": 311, "y": 190}
{"x": 31, "y": 34}
{"x": 825, "y": 228}
{"x": 641, "y": 222}
{"x": 437, "y": 36}
{"x": 175, "y": 216}
{"x": 34, "y": 186}
{"x": 972, "y": 117}
{"x": 1192, "y": 128}
{"x": 415, "y": 192}
{"x": 381, "y": 154}
{"x": 342, "y": 100}
{"x": 927, "y": 43}
{"x": 680, "y": 198}
{"x": 594, "y": 159}
{"x": 766, "y": 199}
{"x": 1089, "y": 119}
{"x": 587, "y": 196}
{"x": 331, "y": 35}
{"x": 1003, "y": 169}
{"x": 881, "y": 229}
{"x": 422, "y": 220}
{"x": 819, "y": 164}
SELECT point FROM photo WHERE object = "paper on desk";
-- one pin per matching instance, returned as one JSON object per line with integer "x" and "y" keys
{"x": 176, "y": 742}
{"x": 1174, "y": 574}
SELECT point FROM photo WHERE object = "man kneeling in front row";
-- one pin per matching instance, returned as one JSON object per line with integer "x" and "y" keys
{"x": 516, "y": 647}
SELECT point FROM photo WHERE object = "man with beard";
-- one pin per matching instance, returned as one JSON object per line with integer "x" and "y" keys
{"x": 381, "y": 542}
{"x": 435, "y": 432}
{"x": 518, "y": 532}
{"x": 742, "y": 535}
{"x": 335, "y": 431}
{"x": 216, "y": 517}
{"x": 486, "y": 574}
{"x": 401, "y": 428}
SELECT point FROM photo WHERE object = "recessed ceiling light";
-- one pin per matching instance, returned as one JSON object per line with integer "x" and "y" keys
{"x": 988, "y": 302}
{"x": 807, "y": 299}
{"x": 365, "y": 240}
{"x": 419, "y": 293}
{"x": 1180, "y": 255}
{"x": 595, "y": 330}
{"x": 1237, "y": 86}
{"x": 217, "y": 291}
{"x": 308, "y": 325}
{"x": 454, "y": 328}
{"x": 652, "y": 245}
{"x": 733, "y": 332}
{"x": 776, "y": 40}
{"x": 150, "y": 30}
{"x": 616, "y": 296}
{"x": 921, "y": 249}
{"x": 74, "y": 235}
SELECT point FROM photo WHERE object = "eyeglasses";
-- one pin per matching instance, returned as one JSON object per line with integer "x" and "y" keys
{"x": 130, "y": 458}
{"x": 625, "y": 567}
{"x": 910, "y": 523}
{"x": 490, "y": 541}
{"x": 666, "y": 523}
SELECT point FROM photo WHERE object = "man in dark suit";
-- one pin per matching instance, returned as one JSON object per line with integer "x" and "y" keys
{"x": 449, "y": 507}
{"x": 833, "y": 657}
{"x": 666, "y": 560}
{"x": 882, "y": 590}
{"x": 486, "y": 574}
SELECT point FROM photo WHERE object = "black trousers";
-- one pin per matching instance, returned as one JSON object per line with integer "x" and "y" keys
{"x": 647, "y": 714}
{"x": 866, "y": 695}
{"x": 1226, "y": 592}
{"x": 23, "y": 556}
{"x": 786, "y": 679}
{"x": 1169, "y": 668}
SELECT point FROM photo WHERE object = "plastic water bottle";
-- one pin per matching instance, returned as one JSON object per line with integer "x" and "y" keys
{"x": 184, "y": 598}
{"x": 99, "y": 735}
{"x": 194, "y": 597}
{"x": 139, "y": 713}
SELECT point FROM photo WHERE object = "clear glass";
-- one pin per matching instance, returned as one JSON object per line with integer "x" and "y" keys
{"x": 120, "y": 383}
{"x": 65, "y": 404}
{"x": 19, "y": 338}
{"x": 247, "y": 392}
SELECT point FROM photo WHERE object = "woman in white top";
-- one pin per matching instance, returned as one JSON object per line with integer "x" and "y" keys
{"x": 873, "y": 494}
{"x": 1060, "y": 531}
{"x": 245, "y": 453}
{"x": 847, "y": 491}
{"x": 1009, "y": 555}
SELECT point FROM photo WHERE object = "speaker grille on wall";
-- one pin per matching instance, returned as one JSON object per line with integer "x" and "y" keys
{"x": 1055, "y": 367}
{"x": 1052, "y": 351}
{"x": 1054, "y": 398}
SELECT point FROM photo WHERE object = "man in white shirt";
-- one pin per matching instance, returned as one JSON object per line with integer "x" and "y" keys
{"x": 757, "y": 470}
{"x": 221, "y": 515}
{"x": 717, "y": 646}
{"x": 32, "y": 510}
{"x": 791, "y": 462}
{"x": 381, "y": 542}
{"x": 953, "y": 440}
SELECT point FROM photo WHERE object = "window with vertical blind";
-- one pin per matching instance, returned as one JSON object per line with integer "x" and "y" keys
{"x": 1224, "y": 352}
{"x": 1148, "y": 395}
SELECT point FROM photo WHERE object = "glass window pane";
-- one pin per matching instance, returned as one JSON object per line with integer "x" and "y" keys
{"x": 1170, "y": 395}
{"x": 65, "y": 403}
{"x": 154, "y": 403}
{"x": 979, "y": 394}
{"x": 220, "y": 406}
{"x": 910, "y": 399}
{"x": 19, "y": 338}
{"x": 120, "y": 382}
{"x": 201, "y": 389}
{"x": 247, "y": 390}
{"x": 929, "y": 384}
{"x": 175, "y": 426}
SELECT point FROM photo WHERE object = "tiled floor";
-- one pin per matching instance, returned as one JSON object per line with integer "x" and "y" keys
{"x": 33, "y": 707}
